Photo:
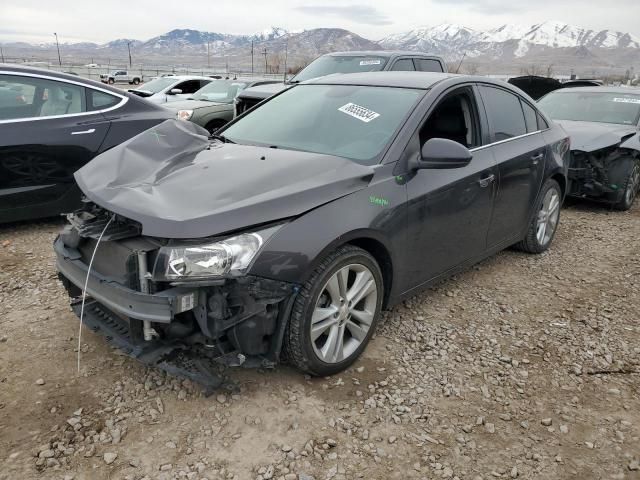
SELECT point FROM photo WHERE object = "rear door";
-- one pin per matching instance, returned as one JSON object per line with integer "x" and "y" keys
{"x": 520, "y": 151}
{"x": 56, "y": 128}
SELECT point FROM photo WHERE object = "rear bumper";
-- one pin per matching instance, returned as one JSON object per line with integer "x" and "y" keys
{"x": 160, "y": 307}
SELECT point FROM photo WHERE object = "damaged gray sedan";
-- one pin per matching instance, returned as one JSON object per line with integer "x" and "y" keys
{"x": 604, "y": 126}
{"x": 291, "y": 229}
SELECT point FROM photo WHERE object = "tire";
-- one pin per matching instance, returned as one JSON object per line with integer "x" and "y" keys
{"x": 136, "y": 81}
{"x": 323, "y": 356}
{"x": 111, "y": 81}
{"x": 538, "y": 238}
{"x": 626, "y": 172}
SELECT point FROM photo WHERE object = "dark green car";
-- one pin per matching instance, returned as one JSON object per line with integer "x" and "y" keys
{"x": 211, "y": 107}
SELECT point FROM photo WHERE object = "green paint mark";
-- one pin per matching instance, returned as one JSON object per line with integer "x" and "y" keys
{"x": 383, "y": 202}
{"x": 157, "y": 135}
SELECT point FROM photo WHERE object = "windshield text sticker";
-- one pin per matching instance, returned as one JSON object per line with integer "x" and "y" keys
{"x": 361, "y": 113}
{"x": 626, "y": 100}
{"x": 370, "y": 62}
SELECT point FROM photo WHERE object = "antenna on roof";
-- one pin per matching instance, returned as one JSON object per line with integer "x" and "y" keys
{"x": 460, "y": 64}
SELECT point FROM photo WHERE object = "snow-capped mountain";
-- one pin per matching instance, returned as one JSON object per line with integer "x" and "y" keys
{"x": 452, "y": 39}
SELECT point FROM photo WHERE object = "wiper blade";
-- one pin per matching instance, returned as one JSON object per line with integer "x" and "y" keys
{"x": 222, "y": 138}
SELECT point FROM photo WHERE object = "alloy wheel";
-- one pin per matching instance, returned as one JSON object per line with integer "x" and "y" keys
{"x": 548, "y": 216}
{"x": 633, "y": 184}
{"x": 344, "y": 313}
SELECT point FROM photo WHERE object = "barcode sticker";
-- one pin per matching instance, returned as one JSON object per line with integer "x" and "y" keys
{"x": 626, "y": 100}
{"x": 361, "y": 113}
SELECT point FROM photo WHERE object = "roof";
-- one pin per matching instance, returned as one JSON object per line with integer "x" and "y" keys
{"x": 622, "y": 90}
{"x": 19, "y": 69}
{"x": 420, "y": 80}
{"x": 380, "y": 53}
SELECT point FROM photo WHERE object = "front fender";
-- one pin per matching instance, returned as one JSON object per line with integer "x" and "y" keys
{"x": 377, "y": 212}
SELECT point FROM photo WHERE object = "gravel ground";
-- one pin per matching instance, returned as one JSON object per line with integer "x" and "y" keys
{"x": 521, "y": 367}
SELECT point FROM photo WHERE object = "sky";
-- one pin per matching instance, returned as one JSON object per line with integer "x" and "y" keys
{"x": 87, "y": 20}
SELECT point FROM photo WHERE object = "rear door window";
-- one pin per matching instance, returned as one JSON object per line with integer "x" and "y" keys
{"x": 530, "y": 117}
{"x": 97, "y": 100}
{"x": 190, "y": 86}
{"x": 505, "y": 113}
{"x": 403, "y": 65}
{"x": 427, "y": 65}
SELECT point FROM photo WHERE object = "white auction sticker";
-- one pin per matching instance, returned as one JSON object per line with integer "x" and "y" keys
{"x": 626, "y": 100}
{"x": 370, "y": 62}
{"x": 361, "y": 113}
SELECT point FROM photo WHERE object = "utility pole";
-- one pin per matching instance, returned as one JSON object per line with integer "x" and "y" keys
{"x": 251, "y": 57}
{"x": 129, "y": 48}
{"x": 208, "y": 55}
{"x": 2, "y": 53}
{"x": 264, "y": 52}
{"x": 286, "y": 54}
{"x": 58, "y": 46}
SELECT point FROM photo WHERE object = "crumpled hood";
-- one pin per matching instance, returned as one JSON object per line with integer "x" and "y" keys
{"x": 178, "y": 184}
{"x": 592, "y": 136}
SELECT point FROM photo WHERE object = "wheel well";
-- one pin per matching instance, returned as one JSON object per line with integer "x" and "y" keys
{"x": 562, "y": 181}
{"x": 215, "y": 123}
{"x": 380, "y": 253}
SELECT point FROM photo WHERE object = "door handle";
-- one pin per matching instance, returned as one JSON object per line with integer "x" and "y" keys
{"x": 537, "y": 157}
{"x": 84, "y": 132}
{"x": 486, "y": 181}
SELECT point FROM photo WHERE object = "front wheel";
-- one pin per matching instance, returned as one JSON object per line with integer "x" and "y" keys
{"x": 544, "y": 223}
{"x": 335, "y": 313}
{"x": 136, "y": 81}
{"x": 628, "y": 169}
{"x": 111, "y": 81}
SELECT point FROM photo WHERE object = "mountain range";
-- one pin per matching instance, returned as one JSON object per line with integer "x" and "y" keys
{"x": 507, "y": 46}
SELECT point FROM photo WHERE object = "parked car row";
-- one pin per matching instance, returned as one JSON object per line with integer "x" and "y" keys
{"x": 286, "y": 230}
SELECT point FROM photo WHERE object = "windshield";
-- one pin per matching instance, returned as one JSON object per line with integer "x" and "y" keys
{"x": 348, "y": 121}
{"x": 219, "y": 91}
{"x": 332, "y": 64}
{"x": 603, "y": 107}
{"x": 157, "y": 85}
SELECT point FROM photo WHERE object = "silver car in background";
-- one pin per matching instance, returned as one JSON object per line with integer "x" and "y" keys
{"x": 171, "y": 88}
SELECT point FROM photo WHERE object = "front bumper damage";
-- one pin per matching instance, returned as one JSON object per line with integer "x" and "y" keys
{"x": 196, "y": 329}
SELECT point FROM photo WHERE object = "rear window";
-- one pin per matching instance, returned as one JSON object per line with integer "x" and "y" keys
{"x": 604, "y": 107}
{"x": 330, "y": 64}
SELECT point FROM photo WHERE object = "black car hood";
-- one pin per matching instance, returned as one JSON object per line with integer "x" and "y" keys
{"x": 179, "y": 184}
{"x": 592, "y": 136}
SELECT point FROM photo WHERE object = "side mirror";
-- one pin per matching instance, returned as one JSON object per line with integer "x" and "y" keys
{"x": 174, "y": 91}
{"x": 442, "y": 153}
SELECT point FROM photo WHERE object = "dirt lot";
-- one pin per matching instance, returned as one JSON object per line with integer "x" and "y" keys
{"x": 522, "y": 367}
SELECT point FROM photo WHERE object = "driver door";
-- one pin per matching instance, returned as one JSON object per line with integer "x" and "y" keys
{"x": 450, "y": 210}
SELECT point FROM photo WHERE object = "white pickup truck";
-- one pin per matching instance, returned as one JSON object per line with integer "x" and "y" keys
{"x": 120, "y": 76}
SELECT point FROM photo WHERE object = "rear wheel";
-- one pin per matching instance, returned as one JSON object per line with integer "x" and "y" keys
{"x": 627, "y": 170}
{"x": 335, "y": 313}
{"x": 544, "y": 223}
{"x": 136, "y": 81}
{"x": 111, "y": 81}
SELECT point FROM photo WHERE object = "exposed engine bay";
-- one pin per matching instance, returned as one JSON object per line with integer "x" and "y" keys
{"x": 188, "y": 328}
{"x": 601, "y": 174}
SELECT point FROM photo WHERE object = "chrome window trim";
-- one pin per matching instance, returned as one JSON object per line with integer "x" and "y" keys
{"x": 507, "y": 140}
{"x": 123, "y": 99}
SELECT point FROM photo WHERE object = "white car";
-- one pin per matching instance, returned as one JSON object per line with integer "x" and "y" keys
{"x": 171, "y": 88}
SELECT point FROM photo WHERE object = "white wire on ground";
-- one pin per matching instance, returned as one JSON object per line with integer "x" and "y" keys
{"x": 84, "y": 290}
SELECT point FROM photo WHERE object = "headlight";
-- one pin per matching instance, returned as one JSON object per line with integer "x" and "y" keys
{"x": 231, "y": 256}
{"x": 184, "y": 114}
